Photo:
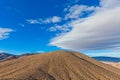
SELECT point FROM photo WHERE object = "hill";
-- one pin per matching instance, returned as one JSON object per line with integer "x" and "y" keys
{"x": 6, "y": 56}
{"x": 58, "y": 65}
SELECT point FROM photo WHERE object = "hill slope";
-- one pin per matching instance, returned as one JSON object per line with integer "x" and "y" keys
{"x": 59, "y": 65}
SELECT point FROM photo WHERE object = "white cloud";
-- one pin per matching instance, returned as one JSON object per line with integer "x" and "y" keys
{"x": 76, "y": 11}
{"x": 33, "y": 21}
{"x": 110, "y": 3}
{"x": 4, "y": 33}
{"x": 96, "y": 32}
{"x": 54, "y": 19}
{"x": 61, "y": 28}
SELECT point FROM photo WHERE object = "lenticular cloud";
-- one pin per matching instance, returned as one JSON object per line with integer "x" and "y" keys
{"x": 99, "y": 31}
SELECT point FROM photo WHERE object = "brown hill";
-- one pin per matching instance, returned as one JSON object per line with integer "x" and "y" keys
{"x": 59, "y": 65}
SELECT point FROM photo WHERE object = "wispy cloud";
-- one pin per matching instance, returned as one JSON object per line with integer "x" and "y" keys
{"x": 71, "y": 13}
{"x": 54, "y": 19}
{"x": 95, "y": 32}
{"x": 4, "y": 33}
{"x": 33, "y": 21}
{"x": 76, "y": 11}
{"x": 61, "y": 28}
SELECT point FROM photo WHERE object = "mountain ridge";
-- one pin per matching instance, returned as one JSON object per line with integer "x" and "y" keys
{"x": 107, "y": 59}
{"x": 6, "y": 56}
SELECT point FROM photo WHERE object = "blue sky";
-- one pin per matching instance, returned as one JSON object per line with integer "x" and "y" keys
{"x": 48, "y": 25}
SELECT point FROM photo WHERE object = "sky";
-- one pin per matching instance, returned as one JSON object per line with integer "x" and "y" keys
{"x": 87, "y": 26}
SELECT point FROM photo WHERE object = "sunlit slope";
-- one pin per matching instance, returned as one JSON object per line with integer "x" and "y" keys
{"x": 58, "y": 65}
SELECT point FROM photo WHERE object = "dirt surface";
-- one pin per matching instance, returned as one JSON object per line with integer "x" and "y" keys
{"x": 115, "y": 64}
{"x": 58, "y": 65}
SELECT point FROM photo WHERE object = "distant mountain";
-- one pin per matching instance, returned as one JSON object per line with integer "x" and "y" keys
{"x": 58, "y": 65}
{"x": 107, "y": 59}
{"x": 6, "y": 56}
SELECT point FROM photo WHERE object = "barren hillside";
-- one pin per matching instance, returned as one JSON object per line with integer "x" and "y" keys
{"x": 115, "y": 64}
{"x": 58, "y": 65}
